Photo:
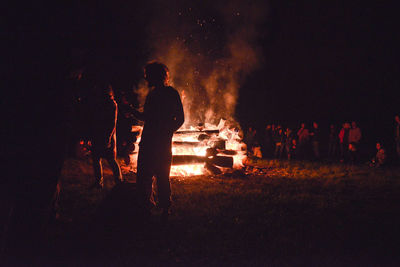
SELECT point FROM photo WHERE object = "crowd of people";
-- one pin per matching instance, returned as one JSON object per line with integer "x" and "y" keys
{"x": 304, "y": 143}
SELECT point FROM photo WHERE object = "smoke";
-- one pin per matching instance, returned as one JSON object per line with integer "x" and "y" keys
{"x": 210, "y": 49}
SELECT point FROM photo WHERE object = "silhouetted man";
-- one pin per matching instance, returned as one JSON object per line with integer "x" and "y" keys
{"x": 162, "y": 116}
{"x": 289, "y": 143}
{"x": 315, "y": 140}
{"x": 354, "y": 134}
{"x": 344, "y": 141}
{"x": 103, "y": 134}
{"x": 267, "y": 141}
{"x": 279, "y": 139}
{"x": 304, "y": 137}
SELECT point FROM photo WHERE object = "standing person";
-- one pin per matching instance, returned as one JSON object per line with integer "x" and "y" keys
{"x": 333, "y": 141}
{"x": 267, "y": 142}
{"x": 355, "y": 136}
{"x": 289, "y": 143}
{"x": 315, "y": 140}
{"x": 279, "y": 138}
{"x": 250, "y": 138}
{"x": 397, "y": 135}
{"x": 303, "y": 138}
{"x": 103, "y": 134}
{"x": 344, "y": 141}
{"x": 162, "y": 116}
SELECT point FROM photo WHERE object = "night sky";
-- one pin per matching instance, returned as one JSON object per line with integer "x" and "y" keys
{"x": 330, "y": 61}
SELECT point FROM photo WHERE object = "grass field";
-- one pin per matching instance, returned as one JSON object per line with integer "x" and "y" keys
{"x": 272, "y": 214}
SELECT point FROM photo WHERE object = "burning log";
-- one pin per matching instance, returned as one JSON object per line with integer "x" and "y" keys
{"x": 220, "y": 144}
{"x": 222, "y": 161}
{"x": 187, "y": 159}
{"x": 208, "y": 132}
{"x": 186, "y": 143}
{"x": 228, "y": 152}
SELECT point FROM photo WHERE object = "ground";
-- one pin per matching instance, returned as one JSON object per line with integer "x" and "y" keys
{"x": 275, "y": 214}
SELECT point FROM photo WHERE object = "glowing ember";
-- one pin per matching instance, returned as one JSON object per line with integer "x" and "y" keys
{"x": 201, "y": 150}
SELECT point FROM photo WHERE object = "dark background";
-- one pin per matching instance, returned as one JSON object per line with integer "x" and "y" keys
{"x": 330, "y": 61}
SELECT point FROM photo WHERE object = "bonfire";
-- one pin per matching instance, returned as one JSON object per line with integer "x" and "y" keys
{"x": 204, "y": 149}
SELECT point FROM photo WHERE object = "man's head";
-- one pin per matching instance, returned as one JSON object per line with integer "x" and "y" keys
{"x": 397, "y": 118}
{"x": 353, "y": 124}
{"x": 156, "y": 74}
{"x": 315, "y": 125}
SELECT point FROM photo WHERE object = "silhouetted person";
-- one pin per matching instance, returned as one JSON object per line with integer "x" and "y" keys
{"x": 289, "y": 143}
{"x": 344, "y": 141}
{"x": 380, "y": 157}
{"x": 279, "y": 139}
{"x": 315, "y": 140}
{"x": 162, "y": 116}
{"x": 303, "y": 140}
{"x": 267, "y": 142}
{"x": 250, "y": 139}
{"x": 397, "y": 135}
{"x": 103, "y": 133}
{"x": 354, "y": 133}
